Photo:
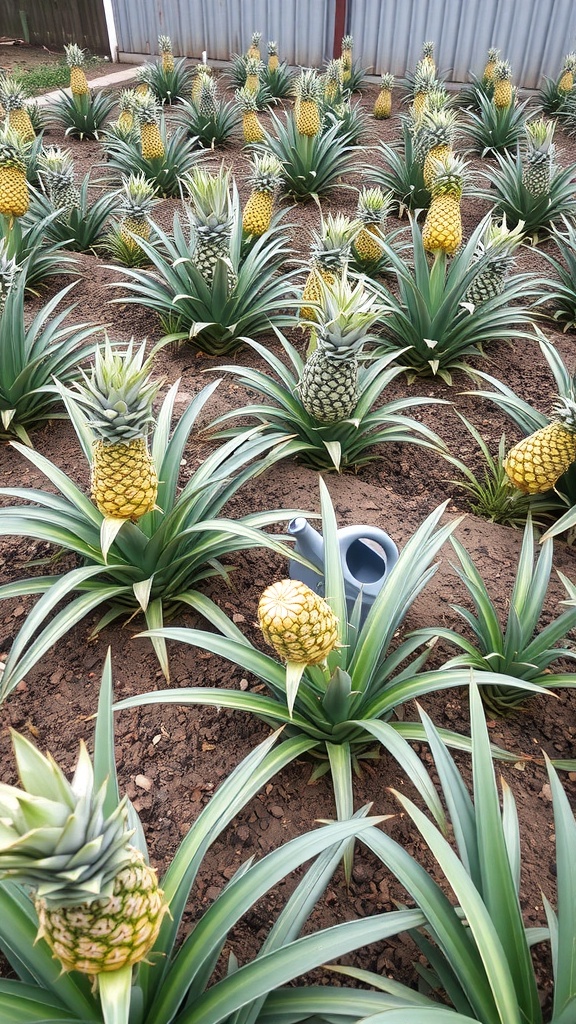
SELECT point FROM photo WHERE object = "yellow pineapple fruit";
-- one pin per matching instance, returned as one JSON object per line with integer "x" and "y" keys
{"x": 75, "y": 58}
{"x": 251, "y": 127}
{"x": 201, "y": 71}
{"x": 491, "y": 62}
{"x": 264, "y": 179}
{"x": 383, "y": 103}
{"x": 167, "y": 57}
{"x": 537, "y": 462}
{"x": 333, "y": 81}
{"x": 98, "y": 902}
{"x": 14, "y": 196}
{"x": 566, "y": 81}
{"x": 439, "y": 127}
{"x": 427, "y": 58}
{"x": 136, "y": 203}
{"x": 254, "y": 69}
{"x": 443, "y": 225}
{"x": 503, "y": 91}
{"x": 297, "y": 623}
{"x": 254, "y": 48}
{"x": 13, "y": 101}
{"x": 424, "y": 82}
{"x": 308, "y": 94}
{"x": 346, "y": 47}
{"x": 329, "y": 254}
{"x": 273, "y": 59}
{"x": 151, "y": 143}
{"x": 371, "y": 212}
{"x": 143, "y": 75}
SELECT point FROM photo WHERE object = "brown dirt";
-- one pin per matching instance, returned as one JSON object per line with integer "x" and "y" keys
{"x": 186, "y": 753}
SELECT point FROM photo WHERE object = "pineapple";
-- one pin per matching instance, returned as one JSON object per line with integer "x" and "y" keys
{"x": 503, "y": 91}
{"x": 212, "y": 217}
{"x": 427, "y": 58}
{"x": 308, "y": 95}
{"x": 8, "y": 271}
{"x": 264, "y": 180}
{"x": 328, "y": 256}
{"x": 273, "y": 59}
{"x": 254, "y": 69}
{"x": 56, "y": 173}
{"x": 14, "y": 198}
{"x": 143, "y": 76}
{"x": 497, "y": 244}
{"x": 566, "y": 81}
{"x": 536, "y": 463}
{"x": 165, "y": 46}
{"x": 98, "y": 902}
{"x": 208, "y": 99}
{"x": 371, "y": 212}
{"x": 146, "y": 110}
{"x": 297, "y": 623}
{"x": 329, "y": 383}
{"x": 251, "y": 127}
{"x": 333, "y": 80}
{"x": 201, "y": 72}
{"x": 117, "y": 397}
{"x": 135, "y": 206}
{"x": 443, "y": 225}
{"x": 254, "y": 48}
{"x": 75, "y": 59}
{"x": 14, "y": 103}
{"x": 346, "y": 56}
{"x": 538, "y": 162}
{"x": 491, "y": 63}
{"x": 126, "y": 106}
{"x": 424, "y": 82}
{"x": 383, "y": 104}
{"x": 440, "y": 127}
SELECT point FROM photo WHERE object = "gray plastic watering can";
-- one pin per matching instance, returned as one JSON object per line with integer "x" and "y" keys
{"x": 364, "y": 567}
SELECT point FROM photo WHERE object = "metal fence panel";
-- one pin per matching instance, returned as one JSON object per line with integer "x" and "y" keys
{"x": 303, "y": 29}
{"x": 52, "y": 23}
{"x": 534, "y": 35}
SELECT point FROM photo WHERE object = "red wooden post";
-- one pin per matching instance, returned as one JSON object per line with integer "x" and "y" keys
{"x": 339, "y": 27}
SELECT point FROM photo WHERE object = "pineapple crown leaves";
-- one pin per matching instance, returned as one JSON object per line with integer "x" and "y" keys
{"x": 118, "y": 394}
{"x": 500, "y": 238}
{"x": 266, "y": 173}
{"x": 138, "y": 196}
{"x": 13, "y": 150}
{"x": 127, "y": 100}
{"x": 246, "y": 100}
{"x": 436, "y": 99}
{"x": 493, "y": 55}
{"x": 165, "y": 44}
{"x": 210, "y": 196}
{"x": 56, "y": 164}
{"x": 387, "y": 81}
{"x": 373, "y": 205}
{"x": 564, "y": 411}
{"x": 334, "y": 71}
{"x": 254, "y": 66}
{"x": 256, "y": 39}
{"x": 146, "y": 108}
{"x": 332, "y": 243}
{"x": 450, "y": 175}
{"x": 428, "y": 49}
{"x": 540, "y": 135}
{"x": 309, "y": 86}
{"x": 502, "y": 71}
{"x": 439, "y": 124}
{"x": 53, "y": 833}
{"x": 12, "y": 94}
{"x": 272, "y": 48}
{"x": 144, "y": 75}
{"x": 75, "y": 55}
{"x": 424, "y": 78}
{"x": 347, "y": 310}
{"x": 347, "y": 43}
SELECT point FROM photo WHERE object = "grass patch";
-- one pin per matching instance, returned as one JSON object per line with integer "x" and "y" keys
{"x": 48, "y": 76}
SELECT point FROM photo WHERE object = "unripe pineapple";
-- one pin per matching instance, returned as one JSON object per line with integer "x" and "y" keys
{"x": 443, "y": 225}
{"x": 495, "y": 249}
{"x": 329, "y": 254}
{"x": 427, "y": 58}
{"x": 212, "y": 218}
{"x": 383, "y": 104}
{"x": 14, "y": 198}
{"x": 371, "y": 211}
{"x": 201, "y": 72}
{"x": 264, "y": 180}
{"x": 273, "y": 59}
{"x": 297, "y": 623}
{"x": 346, "y": 48}
{"x": 329, "y": 382}
{"x": 146, "y": 111}
{"x": 117, "y": 397}
{"x": 491, "y": 63}
{"x": 254, "y": 48}
{"x": 135, "y": 205}
{"x": 98, "y": 902}
{"x": 424, "y": 82}
{"x": 536, "y": 463}
{"x": 308, "y": 95}
{"x": 440, "y": 129}
{"x": 208, "y": 99}
{"x": 566, "y": 81}
{"x": 75, "y": 58}
{"x": 503, "y": 91}
{"x": 538, "y": 161}
{"x": 56, "y": 173}
{"x": 13, "y": 100}
{"x": 251, "y": 127}
{"x": 165, "y": 46}
{"x": 254, "y": 69}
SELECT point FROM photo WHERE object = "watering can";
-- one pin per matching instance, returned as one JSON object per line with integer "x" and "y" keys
{"x": 364, "y": 567}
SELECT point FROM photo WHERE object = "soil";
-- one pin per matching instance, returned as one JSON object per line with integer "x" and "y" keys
{"x": 171, "y": 759}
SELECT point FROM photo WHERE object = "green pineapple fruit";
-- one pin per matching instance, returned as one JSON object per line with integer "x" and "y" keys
{"x": 207, "y": 100}
{"x": 538, "y": 161}
{"x": 497, "y": 244}
{"x": 56, "y": 173}
{"x": 329, "y": 254}
{"x": 212, "y": 218}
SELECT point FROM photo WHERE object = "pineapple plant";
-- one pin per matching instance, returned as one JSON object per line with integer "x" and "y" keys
{"x": 536, "y": 463}
{"x": 207, "y": 99}
{"x": 126, "y": 107}
{"x": 146, "y": 112}
{"x": 538, "y": 161}
{"x": 138, "y": 199}
{"x": 264, "y": 180}
{"x": 346, "y": 48}
{"x": 424, "y": 81}
{"x": 498, "y": 243}
{"x": 329, "y": 254}
{"x": 98, "y": 902}
{"x": 13, "y": 101}
{"x": 252, "y": 129}
{"x": 76, "y": 58}
{"x": 254, "y": 48}
{"x": 308, "y": 95}
{"x": 383, "y": 102}
{"x": 443, "y": 225}
{"x": 56, "y": 173}
{"x": 371, "y": 212}
{"x": 566, "y": 81}
{"x": 14, "y": 197}
{"x": 427, "y": 58}
{"x": 254, "y": 67}
{"x": 329, "y": 382}
{"x": 298, "y": 623}
{"x": 440, "y": 129}
{"x": 201, "y": 72}
{"x": 333, "y": 80}
{"x": 212, "y": 217}
{"x": 117, "y": 397}
{"x": 273, "y": 59}
{"x": 166, "y": 55}
{"x": 503, "y": 90}
{"x": 491, "y": 62}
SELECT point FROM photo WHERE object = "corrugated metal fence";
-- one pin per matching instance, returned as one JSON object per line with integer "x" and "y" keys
{"x": 52, "y": 23}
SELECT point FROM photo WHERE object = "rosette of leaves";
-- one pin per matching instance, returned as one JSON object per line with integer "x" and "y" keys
{"x": 402, "y": 174}
{"x": 209, "y": 124}
{"x": 495, "y": 129}
{"x": 37, "y": 257}
{"x": 559, "y": 298}
{"x": 79, "y": 226}
{"x": 245, "y": 296}
{"x": 82, "y": 115}
{"x": 169, "y": 84}
{"x": 124, "y": 157}
{"x": 311, "y": 164}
